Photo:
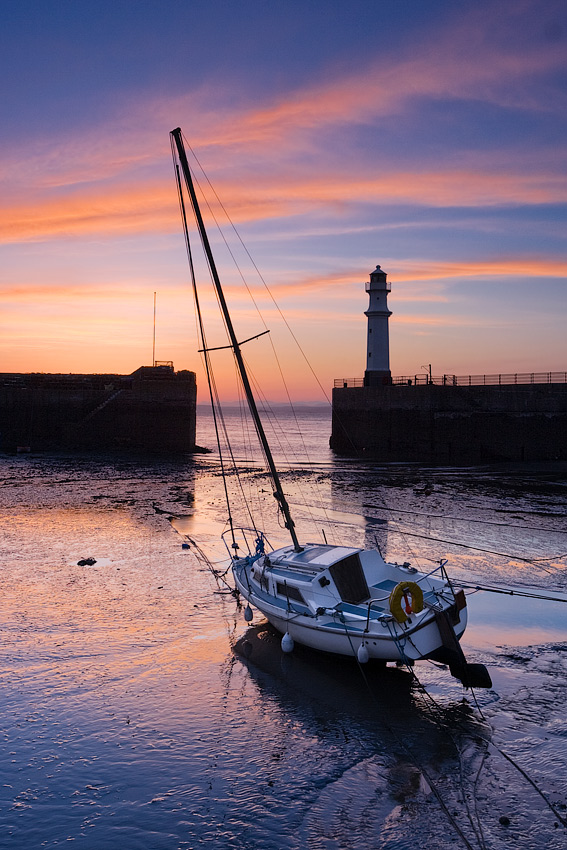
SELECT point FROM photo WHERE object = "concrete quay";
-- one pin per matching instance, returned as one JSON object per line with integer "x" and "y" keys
{"x": 452, "y": 425}
{"x": 151, "y": 410}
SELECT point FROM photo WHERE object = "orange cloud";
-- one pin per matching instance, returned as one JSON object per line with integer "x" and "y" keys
{"x": 448, "y": 321}
{"x": 152, "y": 207}
{"x": 116, "y": 211}
{"x": 464, "y": 61}
{"x": 406, "y": 278}
{"x": 290, "y": 194}
{"x": 342, "y": 283}
{"x": 494, "y": 267}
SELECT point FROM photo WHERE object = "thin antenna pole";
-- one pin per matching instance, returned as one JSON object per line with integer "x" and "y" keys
{"x": 154, "y": 348}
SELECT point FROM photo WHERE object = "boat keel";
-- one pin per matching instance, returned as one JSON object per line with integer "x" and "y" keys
{"x": 451, "y": 653}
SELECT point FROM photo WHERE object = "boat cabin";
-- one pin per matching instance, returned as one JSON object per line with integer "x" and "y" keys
{"x": 320, "y": 574}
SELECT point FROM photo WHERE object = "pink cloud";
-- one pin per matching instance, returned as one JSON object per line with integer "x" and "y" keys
{"x": 473, "y": 58}
{"x": 521, "y": 266}
{"x": 151, "y": 206}
{"x": 116, "y": 211}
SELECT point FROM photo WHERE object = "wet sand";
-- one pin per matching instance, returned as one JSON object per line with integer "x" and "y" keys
{"x": 140, "y": 710}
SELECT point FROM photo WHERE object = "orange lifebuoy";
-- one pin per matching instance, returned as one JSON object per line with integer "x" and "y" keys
{"x": 412, "y": 595}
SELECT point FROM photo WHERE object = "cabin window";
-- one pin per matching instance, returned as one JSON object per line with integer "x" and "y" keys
{"x": 262, "y": 579}
{"x": 290, "y": 592}
{"x": 350, "y": 580}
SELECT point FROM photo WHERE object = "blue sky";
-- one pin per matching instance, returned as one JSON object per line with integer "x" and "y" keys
{"x": 428, "y": 137}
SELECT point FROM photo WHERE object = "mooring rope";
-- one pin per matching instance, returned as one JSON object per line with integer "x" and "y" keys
{"x": 403, "y": 744}
{"x": 498, "y": 749}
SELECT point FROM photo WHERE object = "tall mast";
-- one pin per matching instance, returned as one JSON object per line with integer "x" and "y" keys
{"x": 278, "y": 491}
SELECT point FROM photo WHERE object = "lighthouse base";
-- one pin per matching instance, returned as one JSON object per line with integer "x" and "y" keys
{"x": 377, "y": 378}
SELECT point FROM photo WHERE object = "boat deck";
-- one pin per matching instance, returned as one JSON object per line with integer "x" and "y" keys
{"x": 312, "y": 560}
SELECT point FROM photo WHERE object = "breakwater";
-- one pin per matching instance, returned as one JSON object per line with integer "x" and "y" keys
{"x": 153, "y": 409}
{"x": 449, "y": 423}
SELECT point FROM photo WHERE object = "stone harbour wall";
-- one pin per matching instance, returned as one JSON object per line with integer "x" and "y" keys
{"x": 451, "y": 424}
{"x": 153, "y": 409}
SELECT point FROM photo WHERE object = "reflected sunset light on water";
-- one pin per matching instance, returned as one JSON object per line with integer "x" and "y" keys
{"x": 133, "y": 707}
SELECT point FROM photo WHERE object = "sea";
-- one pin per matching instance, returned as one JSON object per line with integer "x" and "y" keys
{"x": 132, "y": 718}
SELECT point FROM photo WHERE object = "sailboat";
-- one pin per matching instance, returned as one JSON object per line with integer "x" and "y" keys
{"x": 336, "y": 599}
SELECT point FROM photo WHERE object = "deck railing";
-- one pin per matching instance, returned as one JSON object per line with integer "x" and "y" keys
{"x": 464, "y": 380}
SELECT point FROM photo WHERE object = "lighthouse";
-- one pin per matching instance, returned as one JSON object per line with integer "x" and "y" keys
{"x": 378, "y": 345}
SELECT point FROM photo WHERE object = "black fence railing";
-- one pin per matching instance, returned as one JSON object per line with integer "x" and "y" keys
{"x": 463, "y": 380}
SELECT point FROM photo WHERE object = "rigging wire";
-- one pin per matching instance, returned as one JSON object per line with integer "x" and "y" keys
{"x": 402, "y": 743}
{"x": 213, "y": 393}
{"x": 262, "y": 279}
{"x": 277, "y": 360}
{"x": 284, "y": 445}
{"x": 498, "y": 749}
{"x": 248, "y": 442}
{"x": 437, "y": 715}
{"x": 206, "y": 357}
{"x": 201, "y": 328}
{"x": 533, "y": 561}
{"x": 259, "y": 274}
{"x": 489, "y": 743}
{"x": 276, "y": 305}
{"x": 536, "y": 562}
{"x": 507, "y": 592}
{"x": 469, "y": 520}
{"x": 404, "y": 532}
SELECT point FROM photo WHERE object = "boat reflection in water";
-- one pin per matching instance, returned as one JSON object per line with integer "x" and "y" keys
{"x": 372, "y": 692}
{"x": 396, "y": 752}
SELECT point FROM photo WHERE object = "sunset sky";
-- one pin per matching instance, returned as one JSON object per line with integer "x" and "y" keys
{"x": 425, "y": 135}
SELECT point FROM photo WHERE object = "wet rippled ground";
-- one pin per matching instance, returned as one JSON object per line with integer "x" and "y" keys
{"x": 139, "y": 711}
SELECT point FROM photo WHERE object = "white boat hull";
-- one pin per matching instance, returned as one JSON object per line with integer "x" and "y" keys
{"x": 418, "y": 638}
{"x": 419, "y": 645}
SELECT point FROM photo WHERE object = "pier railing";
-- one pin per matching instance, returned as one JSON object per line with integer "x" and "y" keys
{"x": 424, "y": 379}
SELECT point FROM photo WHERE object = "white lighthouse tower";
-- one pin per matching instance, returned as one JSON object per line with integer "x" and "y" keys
{"x": 378, "y": 344}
